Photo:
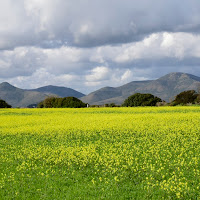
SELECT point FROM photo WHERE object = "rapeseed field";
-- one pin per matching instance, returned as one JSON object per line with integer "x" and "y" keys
{"x": 100, "y": 153}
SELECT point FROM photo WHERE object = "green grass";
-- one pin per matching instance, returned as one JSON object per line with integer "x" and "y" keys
{"x": 100, "y": 153}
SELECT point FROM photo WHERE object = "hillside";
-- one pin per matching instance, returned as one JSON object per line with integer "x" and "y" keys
{"x": 166, "y": 87}
{"x": 59, "y": 91}
{"x": 18, "y": 97}
{"x": 22, "y": 98}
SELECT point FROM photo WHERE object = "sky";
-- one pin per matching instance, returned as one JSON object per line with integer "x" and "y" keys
{"x": 89, "y": 44}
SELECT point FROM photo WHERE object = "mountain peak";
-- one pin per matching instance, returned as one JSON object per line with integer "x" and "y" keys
{"x": 166, "y": 88}
{"x": 60, "y": 91}
{"x": 6, "y": 85}
{"x": 51, "y": 86}
{"x": 174, "y": 76}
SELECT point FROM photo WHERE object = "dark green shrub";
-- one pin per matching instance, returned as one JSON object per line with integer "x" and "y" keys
{"x": 139, "y": 99}
{"x": 3, "y": 104}
{"x": 185, "y": 97}
{"x": 66, "y": 102}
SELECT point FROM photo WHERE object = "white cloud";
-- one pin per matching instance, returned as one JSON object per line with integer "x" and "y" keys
{"x": 168, "y": 40}
{"x": 21, "y": 61}
{"x": 96, "y": 67}
{"x": 127, "y": 75}
{"x": 92, "y": 22}
{"x": 98, "y": 74}
{"x": 161, "y": 45}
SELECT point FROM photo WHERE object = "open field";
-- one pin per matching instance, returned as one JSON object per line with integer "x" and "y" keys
{"x": 100, "y": 153}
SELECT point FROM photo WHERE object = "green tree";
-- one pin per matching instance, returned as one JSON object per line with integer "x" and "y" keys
{"x": 186, "y": 97}
{"x": 72, "y": 102}
{"x": 139, "y": 99}
{"x": 3, "y": 104}
{"x": 49, "y": 102}
{"x": 66, "y": 102}
{"x": 40, "y": 105}
{"x": 110, "y": 105}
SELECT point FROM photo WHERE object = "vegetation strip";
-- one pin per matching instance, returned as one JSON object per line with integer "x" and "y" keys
{"x": 100, "y": 153}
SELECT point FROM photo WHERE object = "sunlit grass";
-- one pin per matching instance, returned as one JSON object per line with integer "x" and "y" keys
{"x": 100, "y": 153}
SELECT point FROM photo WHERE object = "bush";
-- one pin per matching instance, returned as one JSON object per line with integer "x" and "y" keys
{"x": 66, "y": 102}
{"x": 186, "y": 97}
{"x": 139, "y": 99}
{"x": 3, "y": 104}
{"x": 110, "y": 105}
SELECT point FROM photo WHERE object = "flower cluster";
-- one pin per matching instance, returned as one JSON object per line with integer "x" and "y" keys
{"x": 139, "y": 153}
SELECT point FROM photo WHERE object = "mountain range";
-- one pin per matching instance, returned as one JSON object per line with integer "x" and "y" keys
{"x": 22, "y": 98}
{"x": 59, "y": 91}
{"x": 166, "y": 87}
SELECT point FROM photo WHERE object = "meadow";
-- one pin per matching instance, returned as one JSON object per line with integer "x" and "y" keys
{"x": 100, "y": 153}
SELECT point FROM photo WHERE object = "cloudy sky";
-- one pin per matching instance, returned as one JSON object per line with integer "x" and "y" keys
{"x": 89, "y": 44}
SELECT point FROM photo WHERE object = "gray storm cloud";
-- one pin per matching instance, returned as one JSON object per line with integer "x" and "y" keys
{"x": 88, "y": 23}
{"x": 93, "y": 67}
{"x": 90, "y": 44}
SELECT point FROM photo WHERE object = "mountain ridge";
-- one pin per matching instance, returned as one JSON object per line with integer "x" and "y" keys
{"x": 165, "y": 87}
{"x": 17, "y": 97}
{"x": 59, "y": 90}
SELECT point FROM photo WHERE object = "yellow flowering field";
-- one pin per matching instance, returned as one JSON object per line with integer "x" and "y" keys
{"x": 100, "y": 153}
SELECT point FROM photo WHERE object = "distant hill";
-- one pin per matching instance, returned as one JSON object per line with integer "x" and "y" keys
{"x": 60, "y": 91}
{"x": 18, "y": 97}
{"x": 166, "y": 87}
{"x": 22, "y": 98}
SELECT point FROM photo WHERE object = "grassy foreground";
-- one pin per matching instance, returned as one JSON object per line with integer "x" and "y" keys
{"x": 100, "y": 153}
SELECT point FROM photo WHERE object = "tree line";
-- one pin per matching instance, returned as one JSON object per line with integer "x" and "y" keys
{"x": 66, "y": 102}
{"x": 138, "y": 99}
{"x": 184, "y": 98}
